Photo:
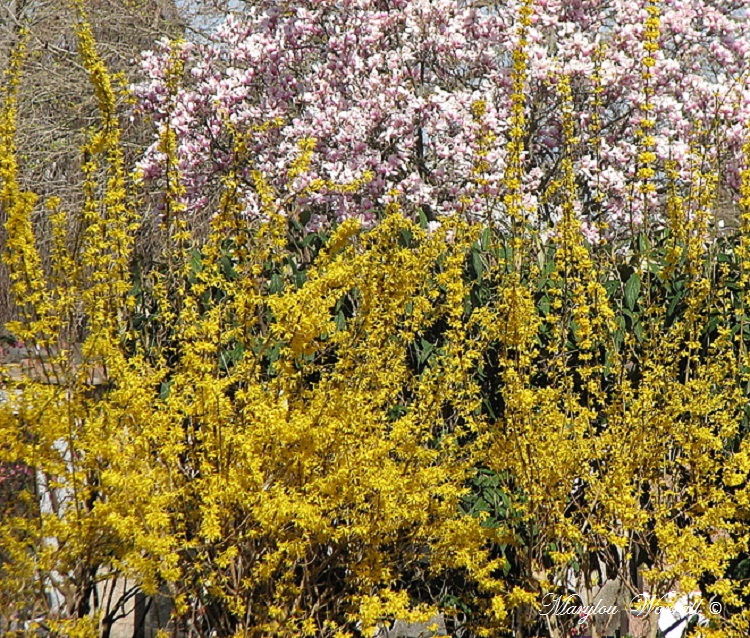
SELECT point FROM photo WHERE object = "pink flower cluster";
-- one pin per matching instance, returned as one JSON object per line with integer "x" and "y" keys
{"x": 387, "y": 87}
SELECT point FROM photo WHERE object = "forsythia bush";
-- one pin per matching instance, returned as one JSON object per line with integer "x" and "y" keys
{"x": 294, "y": 429}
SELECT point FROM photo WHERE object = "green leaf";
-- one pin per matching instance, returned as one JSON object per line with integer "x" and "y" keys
{"x": 655, "y": 268}
{"x": 713, "y": 323}
{"x": 476, "y": 259}
{"x": 632, "y": 290}
{"x": 227, "y": 268}
{"x": 544, "y": 305}
{"x": 508, "y": 255}
{"x": 164, "y": 389}
{"x": 425, "y": 351}
{"x": 485, "y": 239}
{"x": 673, "y": 304}
{"x": 309, "y": 239}
{"x": 406, "y": 238}
{"x": 643, "y": 243}
{"x": 277, "y": 285}
{"x": 340, "y": 321}
{"x": 196, "y": 262}
{"x": 541, "y": 258}
{"x": 230, "y": 357}
{"x": 611, "y": 285}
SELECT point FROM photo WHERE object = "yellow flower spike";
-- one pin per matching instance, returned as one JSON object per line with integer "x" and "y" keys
{"x": 302, "y": 163}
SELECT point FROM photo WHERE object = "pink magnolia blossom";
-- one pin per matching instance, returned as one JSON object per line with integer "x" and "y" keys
{"x": 387, "y": 87}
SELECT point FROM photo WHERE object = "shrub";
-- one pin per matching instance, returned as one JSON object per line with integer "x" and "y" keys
{"x": 296, "y": 430}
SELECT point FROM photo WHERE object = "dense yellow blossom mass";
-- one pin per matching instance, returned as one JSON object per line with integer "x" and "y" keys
{"x": 303, "y": 451}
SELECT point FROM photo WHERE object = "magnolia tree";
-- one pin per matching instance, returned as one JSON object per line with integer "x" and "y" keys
{"x": 455, "y": 107}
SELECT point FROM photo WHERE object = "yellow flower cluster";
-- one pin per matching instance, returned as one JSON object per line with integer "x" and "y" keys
{"x": 647, "y": 156}
{"x": 513, "y": 198}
